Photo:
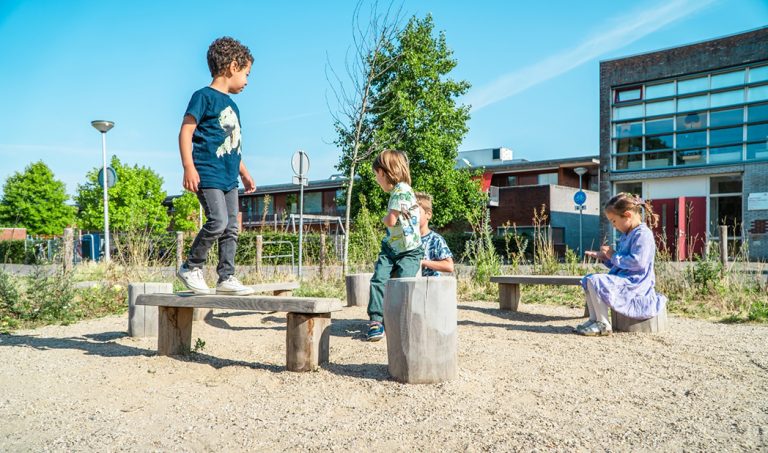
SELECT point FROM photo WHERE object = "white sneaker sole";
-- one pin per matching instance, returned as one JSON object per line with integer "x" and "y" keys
{"x": 229, "y": 292}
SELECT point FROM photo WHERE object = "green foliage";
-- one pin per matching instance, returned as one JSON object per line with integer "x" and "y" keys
{"x": 365, "y": 237}
{"x": 15, "y": 252}
{"x": 480, "y": 251}
{"x": 199, "y": 345}
{"x": 414, "y": 109}
{"x": 186, "y": 212}
{"x": 135, "y": 202}
{"x": 36, "y": 201}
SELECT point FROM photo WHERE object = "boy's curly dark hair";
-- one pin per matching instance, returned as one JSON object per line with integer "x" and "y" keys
{"x": 224, "y": 51}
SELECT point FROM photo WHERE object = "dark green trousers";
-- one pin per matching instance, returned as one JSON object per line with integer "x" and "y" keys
{"x": 390, "y": 265}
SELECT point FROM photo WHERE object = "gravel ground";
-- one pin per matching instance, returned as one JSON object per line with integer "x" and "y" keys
{"x": 525, "y": 383}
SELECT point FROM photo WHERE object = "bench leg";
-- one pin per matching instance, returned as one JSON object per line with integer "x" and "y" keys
{"x": 307, "y": 341}
{"x": 174, "y": 336}
{"x": 282, "y": 292}
{"x": 509, "y": 296}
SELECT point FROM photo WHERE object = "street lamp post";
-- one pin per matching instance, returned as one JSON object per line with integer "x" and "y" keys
{"x": 580, "y": 171}
{"x": 103, "y": 127}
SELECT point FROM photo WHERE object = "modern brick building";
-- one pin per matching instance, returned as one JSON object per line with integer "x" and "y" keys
{"x": 517, "y": 187}
{"x": 686, "y": 128}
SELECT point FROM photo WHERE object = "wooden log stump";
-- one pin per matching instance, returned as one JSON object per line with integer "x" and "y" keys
{"x": 509, "y": 296}
{"x": 142, "y": 319}
{"x": 199, "y": 314}
{"x": 421, "y": 329}
{"x": 358, "y": 289}
{"x": 174, "y": 336}
{"x": 621, "y": 323}
{"x": 307, "y": 341}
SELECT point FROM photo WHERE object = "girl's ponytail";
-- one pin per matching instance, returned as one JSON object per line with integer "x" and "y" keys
{"x": 651, "y": 218}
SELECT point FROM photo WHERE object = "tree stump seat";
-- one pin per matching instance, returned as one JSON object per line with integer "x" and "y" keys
{"x": 307, "y": 333}
{"x": 358, "y": 289}
{"x": 657, "y": 324}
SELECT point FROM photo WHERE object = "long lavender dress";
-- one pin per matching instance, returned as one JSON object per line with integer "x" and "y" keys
{"x": 628, "y": 287}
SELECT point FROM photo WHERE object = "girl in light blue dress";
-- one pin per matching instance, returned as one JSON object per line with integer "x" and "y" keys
{"x": 628, "y": 287}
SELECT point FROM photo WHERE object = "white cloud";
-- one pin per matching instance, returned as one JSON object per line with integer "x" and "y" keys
{"x": 621, "y": 31}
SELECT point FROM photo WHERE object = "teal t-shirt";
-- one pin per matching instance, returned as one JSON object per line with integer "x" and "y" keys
{"x": 216, "y": 143}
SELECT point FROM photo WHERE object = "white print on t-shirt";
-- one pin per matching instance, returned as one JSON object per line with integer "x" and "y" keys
{"x": 230, "y": 124}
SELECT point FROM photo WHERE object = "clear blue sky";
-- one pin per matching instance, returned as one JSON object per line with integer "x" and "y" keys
{"x": 533, "y": 67}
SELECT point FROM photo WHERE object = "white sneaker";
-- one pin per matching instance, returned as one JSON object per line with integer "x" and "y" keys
{"x": 193, "y": 279}
{"x": 232, "y": 287}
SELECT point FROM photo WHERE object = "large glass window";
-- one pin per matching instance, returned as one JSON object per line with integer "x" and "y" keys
{"x": 725, "y": 154}
{"x": 693, "y": 85}
{"x": 660, "y": 91}
{"x": 725, "y": 205}
{"x": 658, "y": 142}
{"x": 712, "y": 119}
{"x": 630, "y": 111}
{"x": 727, "y": 98}
{"x": 728, "y": 79}
{"x": 692, "y": 157}
{"x": 757, "y": 151}
{"x": 726, "y": 136}
{"x": 693, "y": 103}
{"x": 547, "y": 178}
{"x": 692, "y": 140}
{"x": 659, "y": 108}
{"x": 758, "y": 93}
{"x": 635, "y": 188}
{"x": 659, "y": 126}
{"x": 629, "y": 129}
{"x": 692, "y": 121}
{"x": 725, "y": 184}
{"x": 757, "y": 113}
{"x": 758, "y": 74}
{"x": 313, "y": 203}
{"x": 757, "y": 133}
{"x": 726, "y": 117}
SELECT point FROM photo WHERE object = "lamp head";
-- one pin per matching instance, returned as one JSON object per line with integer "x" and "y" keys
{"x": 102, "y": 126}
{"x": 580, "y": 170}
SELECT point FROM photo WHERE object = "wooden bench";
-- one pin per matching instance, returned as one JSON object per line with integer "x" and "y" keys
{"x": 276, "y": 288}
{"x": 307, "y": 333}
{"x": 509, "y": 287}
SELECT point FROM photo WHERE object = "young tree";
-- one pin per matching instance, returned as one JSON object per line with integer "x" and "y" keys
{"x": 186, "y": 212}
{"x": 135, "y": 202}
{"x": 416, "y": 104}
{"x": 35, "y": 200}
{"x": 352, "y": 115}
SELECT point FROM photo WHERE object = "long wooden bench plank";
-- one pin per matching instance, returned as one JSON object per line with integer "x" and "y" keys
{"x": 275, "y": 286}
{"x": 538, "y": 279}
{"x": 255, "y": 303}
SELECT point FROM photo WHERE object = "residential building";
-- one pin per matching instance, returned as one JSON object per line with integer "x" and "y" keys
{"x": 686, "y": 127}
{"x": 519, "y": 190}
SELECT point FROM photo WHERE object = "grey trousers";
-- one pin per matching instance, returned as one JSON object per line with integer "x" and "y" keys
{"x": 221, "y": 210}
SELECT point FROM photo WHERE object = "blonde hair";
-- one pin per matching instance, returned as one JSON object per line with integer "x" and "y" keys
{"x": 425, "y": 201}
{"x": 623, "y": 202}
{"x": 394, "y": 164}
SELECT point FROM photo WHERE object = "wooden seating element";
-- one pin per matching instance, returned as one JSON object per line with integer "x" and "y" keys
{"x": 509, "y": 287}
{"x": 621, "y": 323}
{"x": 307, "y": 334}
{"x": 420, "y": 318}
{"x": 358, "y": 289}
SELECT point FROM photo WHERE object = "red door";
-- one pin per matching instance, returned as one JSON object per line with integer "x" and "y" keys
{"x": 681, "y": 231}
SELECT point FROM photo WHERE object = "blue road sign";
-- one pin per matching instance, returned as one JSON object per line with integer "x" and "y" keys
{"x": 111, "y": 177}
{"x": 580, "y": 197}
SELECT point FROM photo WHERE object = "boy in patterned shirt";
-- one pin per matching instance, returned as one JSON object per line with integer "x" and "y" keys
{"x": 437, "y": 256}
{"x": 401, "y": 251}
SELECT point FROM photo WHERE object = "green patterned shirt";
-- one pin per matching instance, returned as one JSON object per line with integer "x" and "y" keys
{"x": 404, "y": 236}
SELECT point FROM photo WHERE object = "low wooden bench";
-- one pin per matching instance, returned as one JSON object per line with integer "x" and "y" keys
{"x": 307, "y": 333}
{"x": 509, "y": 287}
{"x": 276, "y": 288}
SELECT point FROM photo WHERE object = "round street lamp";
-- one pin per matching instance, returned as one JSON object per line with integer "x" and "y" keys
{"x": 104, "y": 126}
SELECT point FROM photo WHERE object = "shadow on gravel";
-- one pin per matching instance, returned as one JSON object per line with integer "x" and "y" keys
{"x": 217, "y": 320}
{"x": 517, "y": 315}
{"x": 349, "y": 328}
{"x": 94, "y": 344}
{"x": 374, "y": 371}
{"x": 522, "y": 327}
{"x": 218, "y": 363}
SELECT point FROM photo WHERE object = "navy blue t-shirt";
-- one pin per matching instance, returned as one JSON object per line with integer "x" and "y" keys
{"x": 216, "y": 142}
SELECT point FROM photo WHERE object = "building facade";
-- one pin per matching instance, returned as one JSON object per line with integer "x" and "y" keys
{"x": 521, "y": 190}
{"x": 686, "y": 128}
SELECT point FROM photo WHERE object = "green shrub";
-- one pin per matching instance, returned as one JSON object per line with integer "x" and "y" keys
{"x": 15, "y": 252}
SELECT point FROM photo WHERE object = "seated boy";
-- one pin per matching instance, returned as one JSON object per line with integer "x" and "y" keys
{"x": 437, "y": 256}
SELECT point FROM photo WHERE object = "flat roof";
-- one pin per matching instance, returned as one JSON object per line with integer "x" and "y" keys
{"x": 684, "y": 45}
